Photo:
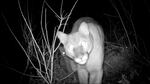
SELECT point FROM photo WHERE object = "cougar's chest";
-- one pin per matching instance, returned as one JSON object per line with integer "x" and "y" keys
{"x": 97, "y": 55}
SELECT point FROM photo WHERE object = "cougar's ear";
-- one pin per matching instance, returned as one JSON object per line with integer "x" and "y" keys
{"x": 62, "y": 37}
{"x": 83, "y": 28}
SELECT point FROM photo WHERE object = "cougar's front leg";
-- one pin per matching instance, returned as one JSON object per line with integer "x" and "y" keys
{"x": 83, "y": 76}
{"x": 96, "y": 77}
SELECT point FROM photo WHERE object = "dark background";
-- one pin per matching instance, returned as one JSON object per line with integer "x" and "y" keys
{"x": 12, "y": 58}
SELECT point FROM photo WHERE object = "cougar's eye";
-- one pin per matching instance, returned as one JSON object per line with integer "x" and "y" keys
{"x": 70, "y": 51}
{"x": 85, "y": 45}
